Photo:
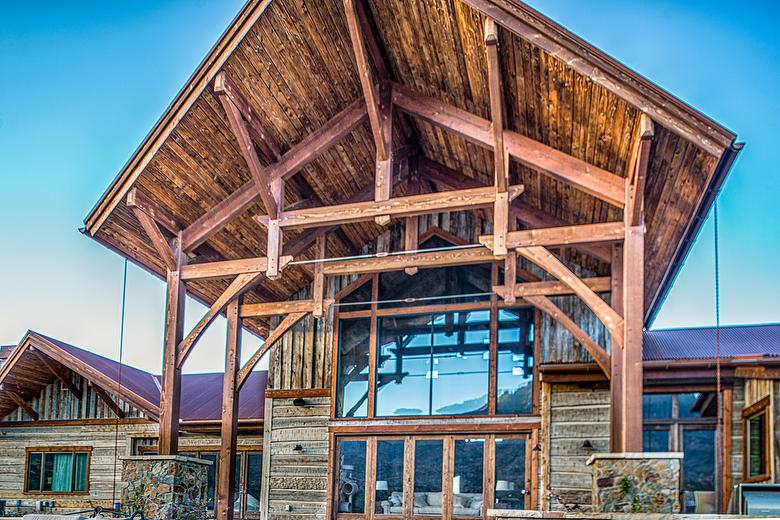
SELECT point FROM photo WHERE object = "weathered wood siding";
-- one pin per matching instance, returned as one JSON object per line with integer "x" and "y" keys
{"x": 577, "y": 413}
{"x": 107, "y": 442}
{"x": 57, "y": 402}
{"x": 295, "y": 482}
{"x": 737, "y": 405}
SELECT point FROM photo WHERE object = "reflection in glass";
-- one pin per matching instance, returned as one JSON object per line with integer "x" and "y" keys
{"x": 352, "y": 396}
{"x": 515, "y": 361}
{"x": 755, "y": 445}
{"x": 389, "y": 477}
{"x": 239, "y": 487}
{"x": 34, "y": 462}
{"x": 211, "y": 479}
{"x": 467, "y": 477}
{"x": 657, "y": 406}
{"x": 254, "y": 473}
{"x": 428, "y": 456}
{"x": 510, "y": 473}
{"x": 655, "y": 440}
{"x": 433, "y": 364}
{"x": 352, "y": 476}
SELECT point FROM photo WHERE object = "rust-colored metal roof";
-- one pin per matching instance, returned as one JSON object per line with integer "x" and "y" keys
{"x": 743, "y": 341}
{"x": 201, "y": 393}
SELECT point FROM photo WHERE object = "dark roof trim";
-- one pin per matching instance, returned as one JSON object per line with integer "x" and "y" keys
{"x": 673, "y": 271}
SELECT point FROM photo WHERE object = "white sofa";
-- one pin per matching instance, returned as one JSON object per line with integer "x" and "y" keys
{"x": 463, "y": 504}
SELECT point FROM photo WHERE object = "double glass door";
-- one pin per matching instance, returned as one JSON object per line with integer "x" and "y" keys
{"x": 453, "y": 476}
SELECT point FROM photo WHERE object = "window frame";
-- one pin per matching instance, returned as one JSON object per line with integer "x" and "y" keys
{"x": 448, "y": 463}
{"x": 757, "y": 408}
{"x": 57, "y": 449}
{"x": 374, "y": 313}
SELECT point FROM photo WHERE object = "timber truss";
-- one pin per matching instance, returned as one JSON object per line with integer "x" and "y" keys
{"x": 433, "y": 188}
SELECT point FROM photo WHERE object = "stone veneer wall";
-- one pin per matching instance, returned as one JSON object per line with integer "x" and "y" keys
{"x": 578, "y": 413}
{"x": 165, "y": 487}
{"x": 636, "y": 482}
{"x": 295, "y": 482}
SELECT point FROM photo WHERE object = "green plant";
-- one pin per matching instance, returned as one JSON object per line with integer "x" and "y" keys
{"x": 625, "y": 485}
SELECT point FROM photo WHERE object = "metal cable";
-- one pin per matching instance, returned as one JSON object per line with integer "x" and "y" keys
{"x": 119, "y": 379}
{"x": 384, "y": 254}
{"x": 413, "y": 300}
{"x": 718, "y": 396}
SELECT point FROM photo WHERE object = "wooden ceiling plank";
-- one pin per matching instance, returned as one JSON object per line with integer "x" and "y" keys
{"x": 59, "y": 372}
{"x": 400, "y": 206}
{"x": 287, "y": 323}
{"x": 224, "y": 85}
{"x": 561, "y": 166}
{"x": 547, "y": 261}
{"x": 599, "y": 354}
{"x": 295, "y": 159}
{"x": 139, "y": 200}
{"x": 156, "y": 238}
{"x": 603, "y": 70}
{"x": 238, "y": 286}
{"x": 636, "y": 196}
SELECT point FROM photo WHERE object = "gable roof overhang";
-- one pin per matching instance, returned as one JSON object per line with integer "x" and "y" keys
{"x": 294, "y": 64}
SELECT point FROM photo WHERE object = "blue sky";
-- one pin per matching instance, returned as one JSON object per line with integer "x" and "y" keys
{"x": 84, "y": 82}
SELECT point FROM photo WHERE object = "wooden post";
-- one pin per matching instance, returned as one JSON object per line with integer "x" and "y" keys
{"x": 274, "y": 248}
{"x": 170, "y": 393}
{"x": 226, "y": 482}
{"x": 616, "y": 387}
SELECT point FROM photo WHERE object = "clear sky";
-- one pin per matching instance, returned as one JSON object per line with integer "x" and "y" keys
{"x": 83, "y": 82}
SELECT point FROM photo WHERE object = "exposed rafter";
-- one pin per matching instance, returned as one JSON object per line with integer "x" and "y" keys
{"x": 109, "y": 401}
{"x": 592, "y": 180}
{"x": 20, "y": 401}
{"x": 59, "y": 372}
{"x": 599, "y": 354}
{"x": 292, "y": 161}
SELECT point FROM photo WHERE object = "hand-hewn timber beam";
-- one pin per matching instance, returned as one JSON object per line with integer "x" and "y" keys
{"x": 286, "y": 324}
{"x": 547, "y": 261}
{"x": 238, "y": 286}
{"x": 20, "y": 402}
{"x": 500, "y": 155}
{"x": 138, "y": 200}
{"x": 561, "y": 236}
{"x": 226, "y": 268}
{"x": 256, "y": 310}
{"x": 420, "y": 260}
{"x": 260, "y": 174}
{"x": 592, "y": 180}
{"x": 606, "y": 72}
{"x": 599, "y": 354}
{"x": 535, "y": 218}
{"x": 552, "y": 288}
{"x": 113, "y": 405}
{"x": 226, "y": 474}
{"x": 636, "y": 194}
{"x": 399, "y": 206}
{"x": 274, "y": 233}
{"x": 59, "y": 372}
{"x": 318, "y": 284}
{"x": 156, "y": 238}
{"x": 264, "y": 139}
{"x": 295, "y": 159}
{"x": 370, "y": 91}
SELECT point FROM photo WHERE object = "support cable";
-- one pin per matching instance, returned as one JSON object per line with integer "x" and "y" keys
{"x": 719, "y": 399}
{"x": 119, "y": 379}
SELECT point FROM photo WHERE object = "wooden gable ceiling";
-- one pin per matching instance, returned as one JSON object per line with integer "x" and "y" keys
{"x": 294, "y": 62}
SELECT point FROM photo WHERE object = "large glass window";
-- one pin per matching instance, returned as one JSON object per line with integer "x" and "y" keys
{"x": 467, "y": 478}
{"x": 57, "y": 471}
{"x": 756, "y": 441}
{"x": 510, "y": 489}
{"x": 515, "y": 380}
{"x": 434, "y": 364}
{"x": 352, "y": 476}
{"x": 428, "y": 457}
{"x": 686, "y": 422}
{"x": 389, "y": 477}
{"x": 354, "y": 347}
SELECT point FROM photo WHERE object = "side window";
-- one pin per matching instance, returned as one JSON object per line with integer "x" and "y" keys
{"x": 51, "y": 470}
{"x": 755, "y": 419}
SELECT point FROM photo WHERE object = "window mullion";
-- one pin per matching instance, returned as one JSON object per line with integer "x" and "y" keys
{"x": 489, "y": 474}
{"x": 447, "y": 470}
{"x": 493, "y": 365}
{"x": 373, "y": 345}
{"x": 408, "y": 494}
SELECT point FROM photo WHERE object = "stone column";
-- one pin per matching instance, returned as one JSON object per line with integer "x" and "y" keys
{"x": 169, "y": 487}
{"x": 636, "y": 482}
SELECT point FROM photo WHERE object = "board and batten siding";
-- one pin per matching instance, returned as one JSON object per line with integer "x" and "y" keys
{"x": 295, "y": 482}
{"x": 56, "y": 402}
